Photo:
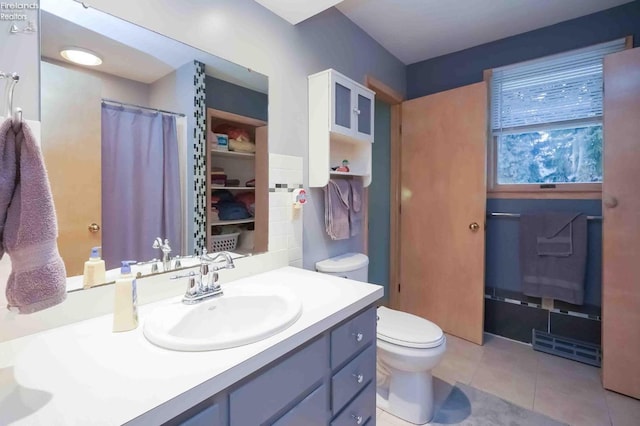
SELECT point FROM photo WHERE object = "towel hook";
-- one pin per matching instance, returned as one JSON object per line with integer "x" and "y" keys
{"x": 9, "y": 91}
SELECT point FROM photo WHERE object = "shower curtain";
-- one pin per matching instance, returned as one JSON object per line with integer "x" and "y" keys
{"x": 140, "y": 184}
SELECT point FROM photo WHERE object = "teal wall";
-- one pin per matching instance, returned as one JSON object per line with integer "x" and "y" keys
{"x": 379, "y": 199}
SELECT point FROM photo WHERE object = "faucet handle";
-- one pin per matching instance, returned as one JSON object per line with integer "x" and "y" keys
{"x": 212, "y": 282}
{"x": 157, "y": 243}
{"x": 193, "y": 286}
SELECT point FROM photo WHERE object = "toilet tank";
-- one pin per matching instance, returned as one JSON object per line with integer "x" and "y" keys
{"x": 354, "y": 266}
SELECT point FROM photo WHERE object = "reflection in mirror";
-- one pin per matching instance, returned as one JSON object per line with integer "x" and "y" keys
{"x": 156, "y": 151}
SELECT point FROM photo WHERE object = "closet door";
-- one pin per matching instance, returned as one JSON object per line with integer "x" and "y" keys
{"x": 443, "y": 209}
{"x": 621, "y": 227}
{"x": 71, "y": 140}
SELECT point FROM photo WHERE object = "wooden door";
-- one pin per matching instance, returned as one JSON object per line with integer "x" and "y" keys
{"x": 261, "y": 234}
{"x": 71, "y": 145}
{"x": 443, "y": 198}
{"x": 621, "y": 226}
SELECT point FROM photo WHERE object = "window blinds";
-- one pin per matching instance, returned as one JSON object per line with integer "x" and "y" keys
{"x": 566, "y": 86}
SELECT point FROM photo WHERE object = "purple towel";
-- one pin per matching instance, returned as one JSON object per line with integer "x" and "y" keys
{"x": 356, "y": 210}
{"x": 28, "y": 227}
{"x": 553, "y": 255}
{"x": 336, "y": 209}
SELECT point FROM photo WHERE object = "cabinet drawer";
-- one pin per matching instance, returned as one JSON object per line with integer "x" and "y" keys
{"x": 352, "y": 336}
{"x": 210, "y": 416}
{"x": 354, "y": 376}
{"x": 312, "y": 411}
{"x": 263, "y": 396}
{"x": 360, "y": 410}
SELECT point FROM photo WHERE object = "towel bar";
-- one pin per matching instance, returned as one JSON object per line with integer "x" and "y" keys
{"x": 517, "y": 215}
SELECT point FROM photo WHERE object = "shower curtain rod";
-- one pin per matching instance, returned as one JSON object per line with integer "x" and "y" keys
{"x": 111, "y": 101}
{"x": 495, "y": 214}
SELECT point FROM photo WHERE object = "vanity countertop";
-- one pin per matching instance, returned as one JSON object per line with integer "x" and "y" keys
{"x": 84, "y": 374}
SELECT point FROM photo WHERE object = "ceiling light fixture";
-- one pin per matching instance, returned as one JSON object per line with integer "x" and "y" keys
{"x": 81, "y": 56}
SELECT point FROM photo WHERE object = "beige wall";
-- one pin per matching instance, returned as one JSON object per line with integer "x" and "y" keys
{"x": 113, "y": 87}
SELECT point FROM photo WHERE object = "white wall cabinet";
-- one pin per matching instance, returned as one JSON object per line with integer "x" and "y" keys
{"x": 351, "y": 107}
{"x": 341, "y": 127}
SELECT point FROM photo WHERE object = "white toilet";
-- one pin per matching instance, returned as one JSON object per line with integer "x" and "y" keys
{"x": 408, "y": 348}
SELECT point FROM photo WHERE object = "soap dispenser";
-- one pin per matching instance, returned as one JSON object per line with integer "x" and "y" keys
{"x": 125, "y": 311}
{"x": 94, "y": 270}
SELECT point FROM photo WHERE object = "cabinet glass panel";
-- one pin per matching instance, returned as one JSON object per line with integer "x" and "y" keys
{"x": 343, "y": 106}
{"x": 364, "y": 118}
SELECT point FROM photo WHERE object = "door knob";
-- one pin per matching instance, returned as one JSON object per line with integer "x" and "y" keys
{"x": 94, "y": 227}
{"x": 474, "y": 226}
{"x": 610, "y": 201}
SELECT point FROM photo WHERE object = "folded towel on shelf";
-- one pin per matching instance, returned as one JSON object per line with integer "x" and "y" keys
{"x": 232, "y": 210}
{"x": 38, "y": 277}
{"x": 553, "y": 255}
{"x": 336, "y": 208}
{"x": 356, "y": 210}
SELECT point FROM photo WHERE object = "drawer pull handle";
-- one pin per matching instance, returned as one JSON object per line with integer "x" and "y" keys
{"x": 358, "y": 419}
{"x": 359, "y": 378}
{"x": 358, "y": 336}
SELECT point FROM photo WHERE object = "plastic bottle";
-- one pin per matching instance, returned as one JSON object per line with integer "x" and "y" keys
{"x": 125, "y": 310}
{"x": 94, "y": 270}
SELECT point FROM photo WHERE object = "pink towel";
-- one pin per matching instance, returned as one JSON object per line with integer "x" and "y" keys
{"x": 336, "y": 209}
{"x": 28, "y": 227}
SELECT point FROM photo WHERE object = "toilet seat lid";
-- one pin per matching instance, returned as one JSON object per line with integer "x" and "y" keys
{"x": 403, "y": 329}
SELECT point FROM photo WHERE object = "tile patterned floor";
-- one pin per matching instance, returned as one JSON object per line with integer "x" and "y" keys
{"x": 565, "y": 390}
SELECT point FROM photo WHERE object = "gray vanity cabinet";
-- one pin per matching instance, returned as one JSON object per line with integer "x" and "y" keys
{"x": 329, "y": 380}
{"x": 264, "y": 396}
{"x": 210, "y": 416}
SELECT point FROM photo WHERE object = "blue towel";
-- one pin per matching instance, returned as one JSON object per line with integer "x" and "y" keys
{"x": 232, "y": 210}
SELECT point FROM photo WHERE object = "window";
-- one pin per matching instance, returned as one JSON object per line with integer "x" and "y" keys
{"x": 546, "y": 120}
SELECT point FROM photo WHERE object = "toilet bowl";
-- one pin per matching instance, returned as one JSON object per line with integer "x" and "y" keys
{"x": 408, "y": 348}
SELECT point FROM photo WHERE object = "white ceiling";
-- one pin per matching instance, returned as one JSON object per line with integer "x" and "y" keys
{"x": 127, "y": 50}
{"x": 296, "y": 11}
{"x": 415, "y": 30}
{"x": 117, "y": 58}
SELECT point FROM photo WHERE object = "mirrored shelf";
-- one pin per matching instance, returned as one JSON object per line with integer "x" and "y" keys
{"x": 247, "y": 155}
{"x": 347, "y": 173}
{"x": 231, "y": 222}
{"x": 244, "y": 188}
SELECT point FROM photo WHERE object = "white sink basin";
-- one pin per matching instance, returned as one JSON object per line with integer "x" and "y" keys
{"x": 244, "y": 314}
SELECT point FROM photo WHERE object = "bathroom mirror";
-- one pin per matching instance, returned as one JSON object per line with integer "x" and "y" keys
{"x": 140, "y": 140}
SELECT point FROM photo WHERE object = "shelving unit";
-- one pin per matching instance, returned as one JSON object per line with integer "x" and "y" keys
{"x": 341, "y": 127}
{"x": 244, "y": 167}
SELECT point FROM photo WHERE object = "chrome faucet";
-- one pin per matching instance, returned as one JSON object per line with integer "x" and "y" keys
{"x": 166, "y": 249}
{"x": 204, "y": 284}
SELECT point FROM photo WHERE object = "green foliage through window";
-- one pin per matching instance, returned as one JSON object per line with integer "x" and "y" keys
{"x": 571, "y": 155}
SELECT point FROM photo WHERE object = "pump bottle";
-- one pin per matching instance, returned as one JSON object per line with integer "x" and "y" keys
{"x": 94, "y": 270}
{"x": 125, "y": 310}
